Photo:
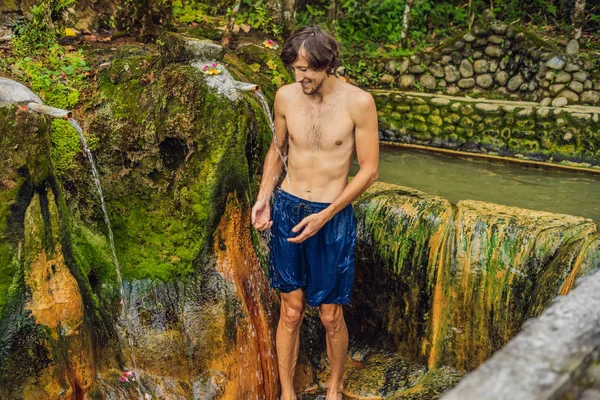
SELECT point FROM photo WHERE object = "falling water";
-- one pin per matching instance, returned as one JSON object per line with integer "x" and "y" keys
{"x": 111, "y": 240}
{"x": 267, "y": 110}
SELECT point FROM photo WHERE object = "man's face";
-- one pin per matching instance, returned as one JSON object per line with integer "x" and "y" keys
{"x": 309, "y": 79}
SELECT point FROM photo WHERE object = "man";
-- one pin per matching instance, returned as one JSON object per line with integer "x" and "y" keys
{"x": 319, "y": 122}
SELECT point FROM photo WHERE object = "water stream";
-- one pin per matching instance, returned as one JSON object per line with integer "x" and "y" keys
{"x": 267, "y": 110}
{"x": 111, "y": 241}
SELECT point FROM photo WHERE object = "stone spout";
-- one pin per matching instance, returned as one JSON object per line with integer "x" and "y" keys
{"x": 51, "y": 111}
{"x": 15, "y": 92}
{"x": 246, "y": 86}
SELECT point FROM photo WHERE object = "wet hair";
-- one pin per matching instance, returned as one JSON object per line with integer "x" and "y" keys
{"x": 321, "y": 49}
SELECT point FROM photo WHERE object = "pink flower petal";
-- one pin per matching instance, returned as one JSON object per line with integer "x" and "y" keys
{"x": 147, "y": 397}
{"x": 214, "y": 65}
{"x": 121, "y": 301}
{"x": 124, "y": 379}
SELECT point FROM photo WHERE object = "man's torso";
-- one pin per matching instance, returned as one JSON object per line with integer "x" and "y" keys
{"x": 320, "y": 138}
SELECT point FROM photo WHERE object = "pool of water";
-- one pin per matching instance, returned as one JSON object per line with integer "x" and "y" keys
{"x": 459, "y": 178}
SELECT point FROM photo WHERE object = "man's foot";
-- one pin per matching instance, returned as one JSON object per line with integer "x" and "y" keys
{"x": 334, "y": 395}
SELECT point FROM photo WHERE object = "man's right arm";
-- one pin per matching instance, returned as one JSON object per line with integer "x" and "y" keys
{"x": 273, "y": 165}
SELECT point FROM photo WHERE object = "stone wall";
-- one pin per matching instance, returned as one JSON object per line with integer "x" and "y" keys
{"x": 545, "y": 131}
{"x": 499, "y": 60}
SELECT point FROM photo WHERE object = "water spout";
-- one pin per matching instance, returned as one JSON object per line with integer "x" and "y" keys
{"x": 245, "y": 86}
{"x": 51, "y": 111}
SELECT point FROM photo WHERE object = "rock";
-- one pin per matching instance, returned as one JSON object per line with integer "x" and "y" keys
{"x": 560, "y": 102}
{"x": 440, "y": 101}
{"x": 545, "y": 83}
{"x": 391, "y": 66}
{"x": 459, "y": 45}
{"x": 436, "y": 70}
{"x": 543, "y": 112}
{"x": 573, "y": 47}
{"x": 466, "y": 69}
{"x": 493, "y": 51}
{"x": 469, "y": 38}
{"x": 576, "y": 86}
{"x": 416, "y": 59}
{"x": 416, "y": 69}
{"x": 515, "y": 82}
{"x": 479, "y": 31}
{"x": 435, "y": 120}
{"x": 556, "y": 88}
{"x": 466, "y": 83}
{"x": 503, "y": 64}
{"x": 525, "y": 113}
{"x": 582, "y": 116}
{"x": 550, "y": 75}
{"x": 451, "y": 73}
{"x": 446, "y": 60}
{"x": 519, "y": 37}
{"x": 499, "y": 28}
{"x": 495, "y": 39}
{"x": 545, "y": 102}
{"x": 493, "y": 66}
{"x": 556, "y": 62}
{"x": 428, "y": 81}
{"x": 488, "y": 108}
{"x": 485, "y": 81}
{"x": 481, "y": 66}
{"x": 587, "y": 85}
{"x": 457, "y": 58}
{"x": 580, "y": 76}
{"x": 452, "y": 90}
{"x": 569, "y": 95}
{"x": 590, "y": 97}
{"x": 387, "y": 79}
{"x": 568, "y": 136}
{"x": 426, "y": 59}
{"x": 563, "y": 77}
{"x": 501, "y": 77}
{"x": 406, "y": 81}
{"x": 480, "y": 43}
{"x": 572, "y": 67}
{"x": 404, "y": 66}
{"x": 177, "y": 47}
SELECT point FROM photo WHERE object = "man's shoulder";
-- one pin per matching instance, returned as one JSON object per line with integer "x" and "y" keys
{"x": 358, "y": 102}
{"x": 358, "y": 98}
{"x": 286, "y": 91}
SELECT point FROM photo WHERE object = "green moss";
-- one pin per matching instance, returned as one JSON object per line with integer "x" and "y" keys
{"x": 65, "y": 146}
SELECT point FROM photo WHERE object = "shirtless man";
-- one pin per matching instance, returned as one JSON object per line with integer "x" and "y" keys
{"x": 319, "y": 121}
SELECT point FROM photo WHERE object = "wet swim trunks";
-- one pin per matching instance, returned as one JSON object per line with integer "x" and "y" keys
{"x": 322, "y": 265}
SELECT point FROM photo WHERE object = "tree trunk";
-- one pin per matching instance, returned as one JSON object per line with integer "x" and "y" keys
{"x": 332, "y": 12}
{"x": 405, "y": 23}
{"x": 578, "y": 17}
{"x": 289, "y": 17}
{"x": 225, "y": 41}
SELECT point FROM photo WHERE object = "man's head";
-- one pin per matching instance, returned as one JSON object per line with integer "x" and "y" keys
{"x": 313, "y": 54}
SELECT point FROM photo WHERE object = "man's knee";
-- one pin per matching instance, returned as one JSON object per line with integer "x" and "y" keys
{"x": 332, "y": 317}
{"x": 292, "y": 310}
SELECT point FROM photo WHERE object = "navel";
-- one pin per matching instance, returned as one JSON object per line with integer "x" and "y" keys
{"x": 291, "y": 136}
{"x": 338, "y": 142}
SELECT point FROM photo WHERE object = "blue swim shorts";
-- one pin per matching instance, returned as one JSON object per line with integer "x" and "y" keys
{"x": 322, "y": 265}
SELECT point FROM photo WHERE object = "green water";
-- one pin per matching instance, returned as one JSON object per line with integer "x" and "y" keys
{"x": 457, "y": 178}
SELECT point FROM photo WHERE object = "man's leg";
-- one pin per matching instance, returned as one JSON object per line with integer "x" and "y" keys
{"x": 288, "y": 339}
{"x": 332, "y": 317}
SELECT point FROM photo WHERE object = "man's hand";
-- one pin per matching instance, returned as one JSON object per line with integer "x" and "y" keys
{"x": 311, "y": 225}
{"x": 261, "y": 215}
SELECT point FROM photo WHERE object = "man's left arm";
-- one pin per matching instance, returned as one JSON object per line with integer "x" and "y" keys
{"x": 366, "y": 137}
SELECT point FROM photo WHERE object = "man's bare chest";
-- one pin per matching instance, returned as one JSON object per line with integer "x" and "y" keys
{"x": 320, "y": 128}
